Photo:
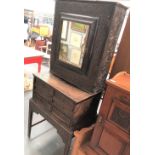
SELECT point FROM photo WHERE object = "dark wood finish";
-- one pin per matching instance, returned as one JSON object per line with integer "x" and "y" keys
{"x": 111, "y": 134}
{"x": 122, "y": 60}
{"x": 30, "y": 121}
{"x": 66, "y": 105}
{"x": 105, "y": 20}
{"x": 63, "y": 105}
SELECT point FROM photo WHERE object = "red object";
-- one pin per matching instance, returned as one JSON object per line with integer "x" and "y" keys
{"x": 40, "y": 44}
{"x": 35, "y": 59}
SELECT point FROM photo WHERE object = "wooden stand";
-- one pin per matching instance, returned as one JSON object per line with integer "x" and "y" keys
{"x": 64, "y": 106}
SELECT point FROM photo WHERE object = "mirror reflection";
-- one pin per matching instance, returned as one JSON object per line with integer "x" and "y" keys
{"x": 73, "y": 42}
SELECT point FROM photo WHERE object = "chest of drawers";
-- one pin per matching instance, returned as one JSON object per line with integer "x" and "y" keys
{"x": 63, "y": 105}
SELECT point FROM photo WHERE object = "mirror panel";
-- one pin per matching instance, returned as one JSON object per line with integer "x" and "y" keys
{"x": 73, "y": 42}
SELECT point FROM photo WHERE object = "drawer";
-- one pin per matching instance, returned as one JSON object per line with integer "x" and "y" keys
{"x": 60, "y": 116}
{"x": 64, "y": 104}
{"x": 43, "y": 89}
{"x": 40, "y": 100}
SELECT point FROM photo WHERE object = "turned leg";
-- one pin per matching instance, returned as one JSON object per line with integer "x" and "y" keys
{"x": 30, "y": 121}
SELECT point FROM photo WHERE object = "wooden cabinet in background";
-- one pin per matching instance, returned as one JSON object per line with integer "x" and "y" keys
{"x": 111, "y": 134}
{"x": 122, "y": 59}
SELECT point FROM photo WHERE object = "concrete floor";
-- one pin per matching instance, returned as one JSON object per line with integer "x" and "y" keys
{"x": 44, "y": 138}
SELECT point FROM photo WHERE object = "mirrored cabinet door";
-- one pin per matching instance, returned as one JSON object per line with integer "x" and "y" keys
{"x": 73, "y": 42}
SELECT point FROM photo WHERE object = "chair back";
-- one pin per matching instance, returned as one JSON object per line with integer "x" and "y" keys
{"x": 39, "y": 44}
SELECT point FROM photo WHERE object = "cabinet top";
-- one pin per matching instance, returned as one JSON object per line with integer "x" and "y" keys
{"x": 120, "y": 80}
{"x": 65, "y": 88}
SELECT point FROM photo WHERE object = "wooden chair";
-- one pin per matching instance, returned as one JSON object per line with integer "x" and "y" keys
{"x": 40, "y": 45}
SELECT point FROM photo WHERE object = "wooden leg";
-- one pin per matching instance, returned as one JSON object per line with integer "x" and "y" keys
{"x": 40, "y": 59}
{"x": 67, "y": 145}
{"x": 39, "y": 67}
{"x": 30, "y": 121}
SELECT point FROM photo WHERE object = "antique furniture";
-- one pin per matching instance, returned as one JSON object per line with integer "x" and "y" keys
{"x": 111, "y": 133}
{"x": 84, "y": 39}
{"x": 63, "y": 105}
{"x": 33, "y": 56}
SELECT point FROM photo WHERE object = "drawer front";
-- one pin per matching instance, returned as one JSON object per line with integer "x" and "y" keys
{"x": 43, "y": 89}
{"x": 50, "y": 107}
{"x": 51, "y": 97}
{"x": 61, "y": 117}
{"x": 40, "y": 100}
{"x": 63, "y": 104}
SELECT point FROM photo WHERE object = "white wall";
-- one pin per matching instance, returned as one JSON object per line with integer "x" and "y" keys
{"x": 42, "y": 6}
{"x": 124, "y": 2}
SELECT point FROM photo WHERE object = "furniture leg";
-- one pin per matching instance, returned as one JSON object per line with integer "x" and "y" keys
{"x": 39, "y": 64}
{"x": 39, "y": 67}
{"x": 30, "y": 121}
{"x": 67, "y": 145}
{"x": 37, "y": 59}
